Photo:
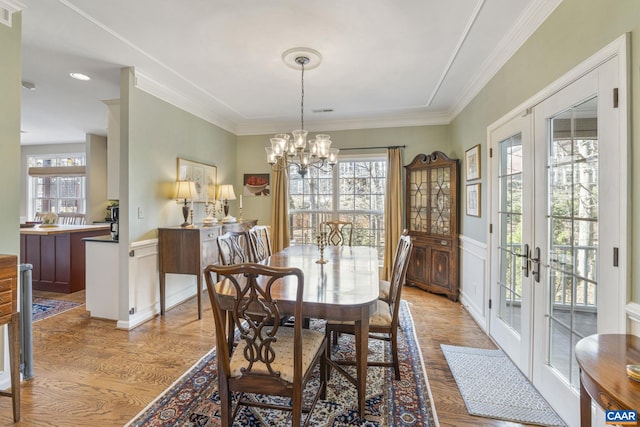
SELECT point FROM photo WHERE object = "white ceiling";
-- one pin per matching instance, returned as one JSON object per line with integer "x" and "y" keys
{"x": 384, "y": 62}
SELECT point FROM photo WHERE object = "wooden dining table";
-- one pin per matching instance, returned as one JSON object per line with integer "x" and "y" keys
{"x": 343, "y": 289}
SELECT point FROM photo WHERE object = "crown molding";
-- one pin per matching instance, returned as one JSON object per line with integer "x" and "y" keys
{"x": 391, "y": 120}
{"x": 7, "y": 9}
{"x": 190, "y": 104}
{"x": 527, "y": 24}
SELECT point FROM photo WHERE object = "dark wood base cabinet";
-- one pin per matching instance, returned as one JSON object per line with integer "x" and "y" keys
{"x": 58, "y": 258}
{"x": 434, "y": 266}
{"x": 432, "y": 221}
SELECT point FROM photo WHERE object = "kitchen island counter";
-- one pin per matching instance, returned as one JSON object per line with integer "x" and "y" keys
{"x": 46, "y": 229}
{"x": 58, "y": 255}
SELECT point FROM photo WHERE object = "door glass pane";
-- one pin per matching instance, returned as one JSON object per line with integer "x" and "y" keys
{"x": 573, "y": 240}
{"x": 510, "y": 217}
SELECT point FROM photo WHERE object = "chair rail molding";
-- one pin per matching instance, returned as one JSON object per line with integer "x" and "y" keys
{"x": 474, "y": 282}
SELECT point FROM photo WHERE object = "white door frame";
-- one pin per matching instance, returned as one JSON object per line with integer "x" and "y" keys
{"x": 618, "y": 50}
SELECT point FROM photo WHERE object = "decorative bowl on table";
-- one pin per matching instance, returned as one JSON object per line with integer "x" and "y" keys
{"x": 633, "y": 371}
{"x": 256, "y": 189}
{"x": 27, "y": 225}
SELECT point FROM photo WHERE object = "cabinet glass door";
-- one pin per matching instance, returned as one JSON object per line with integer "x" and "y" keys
{"x": 419, "y": 200}
{"x": 440, "y": 194}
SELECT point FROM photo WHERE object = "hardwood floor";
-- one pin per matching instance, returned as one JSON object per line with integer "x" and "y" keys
{"x": 87, "y": 373}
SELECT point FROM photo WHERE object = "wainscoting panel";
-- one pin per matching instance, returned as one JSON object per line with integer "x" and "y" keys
{"x": 633, "y": 314}
{"x": 474, "y": 283}
{"x": 144, "y": 285}
{"x": 144, "y": 294}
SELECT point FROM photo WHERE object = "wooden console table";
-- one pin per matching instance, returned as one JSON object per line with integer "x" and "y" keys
{"x": 9, "y": 316}
{"x": 188, "y": 250}
{"x": 603, "y": 377}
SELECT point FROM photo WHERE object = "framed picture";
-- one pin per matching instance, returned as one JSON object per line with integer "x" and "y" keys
{"x": 472, "y": 162}
{"x": 473, "y": 199}
{"x": 202, "y": 174}
{"x": 256, "y": 184}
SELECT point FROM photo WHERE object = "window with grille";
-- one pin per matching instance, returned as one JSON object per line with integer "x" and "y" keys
{"x": 353, "y": 191}
{"x": 56, "y": 190}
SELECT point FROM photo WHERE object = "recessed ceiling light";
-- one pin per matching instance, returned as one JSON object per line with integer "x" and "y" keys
{"x": 28, "y": 85}
{"x": 80, "y": 76}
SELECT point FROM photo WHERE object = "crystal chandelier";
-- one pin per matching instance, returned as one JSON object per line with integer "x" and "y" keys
{"x": 294, "y": 150}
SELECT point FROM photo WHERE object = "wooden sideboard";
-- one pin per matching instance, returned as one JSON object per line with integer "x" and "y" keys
{"x": 58, "y": 255}
{"x": 188, "y": 250}
{"x": 10, "y": 316}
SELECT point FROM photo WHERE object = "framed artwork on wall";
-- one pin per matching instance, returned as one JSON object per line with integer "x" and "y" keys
{"x": 202, "y": 174}
{"x": 256, "y": 184}
{"x": 473, "y": 199}
{"x": 472, "y": 162}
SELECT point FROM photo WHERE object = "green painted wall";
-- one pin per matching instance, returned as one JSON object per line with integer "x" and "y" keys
{"x": 10, "y": 86}
{"x": 418, "y": 140}
{"x": 159, "y": 133}
{"x": 574, "y": 31}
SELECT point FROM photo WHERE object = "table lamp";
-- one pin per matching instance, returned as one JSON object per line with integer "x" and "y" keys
{"x": 226, "y": 193}
{"x": 185, "y": 190}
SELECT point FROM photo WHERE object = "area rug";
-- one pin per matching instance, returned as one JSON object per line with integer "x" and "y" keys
{"x": 193, "y": 399}
{"x": 492, "y": 386}
{"x": 43, "y": 308}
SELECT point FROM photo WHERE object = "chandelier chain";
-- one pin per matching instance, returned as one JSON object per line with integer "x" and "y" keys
{"x": 302, "y": 97}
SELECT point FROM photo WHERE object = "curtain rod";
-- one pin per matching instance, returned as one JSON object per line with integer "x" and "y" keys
{"x": 373, "y": 148}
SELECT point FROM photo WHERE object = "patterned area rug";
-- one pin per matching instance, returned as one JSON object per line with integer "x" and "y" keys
{"x": 492, "y": 386}
{"x": 193, "y": 400}
{"x": 45, "y": 307}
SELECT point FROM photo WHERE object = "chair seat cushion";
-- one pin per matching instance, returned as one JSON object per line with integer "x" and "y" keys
{"x": 383, "y": 290}
{"x": 381, "y": 317}
{"x": 283, "y": 349}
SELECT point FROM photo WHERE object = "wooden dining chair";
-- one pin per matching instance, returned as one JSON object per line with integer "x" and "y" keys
{"x": 383, "y": 324}
{"x": 268, "y": 359}
{"x": 339, "y": 233}
{"x": 384, "y": 285}
{"x": 71, "y": 218}
{"x": 259, "y": 243}
{"x": 233, "y": 247}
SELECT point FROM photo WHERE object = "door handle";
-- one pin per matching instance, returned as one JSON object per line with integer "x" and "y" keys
{"x": 525, "y": 261}
{"x": 536, "y": 264}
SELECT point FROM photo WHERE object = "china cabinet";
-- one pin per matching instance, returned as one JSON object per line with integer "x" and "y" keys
{"x": 432, "y": 220}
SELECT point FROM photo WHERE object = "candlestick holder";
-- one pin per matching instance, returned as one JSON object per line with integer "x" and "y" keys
{"x": 322, "y": 242}
{"x": 240, "y": 216}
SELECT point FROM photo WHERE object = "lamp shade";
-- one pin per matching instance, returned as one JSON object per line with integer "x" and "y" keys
{"x": 186, "y": 190}
{"x": 225, "y": 192}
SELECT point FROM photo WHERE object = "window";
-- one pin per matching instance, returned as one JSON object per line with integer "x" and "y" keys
{"x": 56, "y": 184}
{"x": 353, "y": 191}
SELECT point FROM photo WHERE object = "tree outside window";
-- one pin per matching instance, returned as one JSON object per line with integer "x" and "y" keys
{"x": 353, "y": 191}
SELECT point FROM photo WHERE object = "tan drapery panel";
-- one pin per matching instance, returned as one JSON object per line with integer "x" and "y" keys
{"x": 392, "y": 209}
{"x": 279, "y": 210}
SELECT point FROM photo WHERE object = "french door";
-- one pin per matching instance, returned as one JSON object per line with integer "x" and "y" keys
{"x": 558, "y": 210}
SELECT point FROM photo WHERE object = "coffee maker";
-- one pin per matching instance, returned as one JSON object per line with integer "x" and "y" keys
{"x": 115, "y": 213}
